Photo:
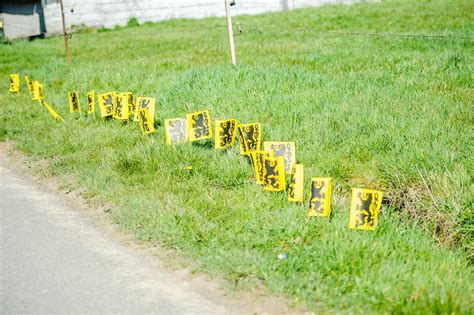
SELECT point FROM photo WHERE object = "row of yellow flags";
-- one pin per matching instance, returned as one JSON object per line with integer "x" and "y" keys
{"x": 270, "y": 164}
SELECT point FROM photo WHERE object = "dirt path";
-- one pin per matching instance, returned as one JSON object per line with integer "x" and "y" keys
{"x": 58, "y": 256}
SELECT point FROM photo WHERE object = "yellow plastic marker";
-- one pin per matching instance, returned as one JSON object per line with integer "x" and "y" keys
{"x": 365, "y": 208}
{"x": 40, "y": 92}
{"x": 273, "y": 177}
{"x": 146, "y": 123}
{"x": 121, "y": 107}
{"x": 257, "y": 163}
{"x": 74, "y": 103}
{"x": 295, "y": 189}
{"x": 320, "y": 200}
{"x": 52, "y": 112}
{"x": 199, "y": 126}
{"x": 146, "y": 102}
{"x": 106, "y": 104}
{"x": 225, "y": 133}
{"x": 250, "y": 136}
{"x": 14, "y": 83}
{"x": 130, "y": 103}
{"x": 175, "y": 129}
{"x": 285, "y": 149}
{"x": 36, "y": 96}
{"x": 29, "y": 84}
{"x": 90, "y": 102}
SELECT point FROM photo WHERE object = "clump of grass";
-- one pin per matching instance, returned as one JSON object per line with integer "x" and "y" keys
{"x": 388, "y": 113}
{"x": 133, "y": 22}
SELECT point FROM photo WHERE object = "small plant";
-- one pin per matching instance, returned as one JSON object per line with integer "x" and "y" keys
{"x": 133, "y": 22}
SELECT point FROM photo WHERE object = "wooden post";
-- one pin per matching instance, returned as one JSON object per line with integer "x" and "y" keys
{"x": 286, "y": 5}
{"x": 230, "y": 31}
{"x": 65, "y": 32}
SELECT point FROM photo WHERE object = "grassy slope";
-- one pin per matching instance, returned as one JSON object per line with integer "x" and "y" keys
{"x": 388, "y": 113}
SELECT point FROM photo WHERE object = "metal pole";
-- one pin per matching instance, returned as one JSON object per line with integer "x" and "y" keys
{"x": 230, "y": 31}
{"x": 65, "y": 32}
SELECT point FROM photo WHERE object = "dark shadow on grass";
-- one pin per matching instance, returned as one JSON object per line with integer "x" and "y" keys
{"x": 203, "y": 144}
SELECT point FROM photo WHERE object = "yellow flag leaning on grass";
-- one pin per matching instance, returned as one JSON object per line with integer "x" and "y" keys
{"x": 52, "y": 112}
{"x": 146, "y": 102}
{"x": 273, "y": 178}
{"x": 257, "y": 164}
{"x": 29, "y": 84}
{"x": 284, "y": 149}
{"x": 106, "y": 104}
{"x": 90, "y": 102}
{"x": 225, "y": 133}
{"x": 199, "y": 126}
{"x": 121, "y": 107}
{"x": 250, "y": 136}
{"x": 146, "y": 123}
{"x": 320, "y": 200}
{"x": 74, "y": 103}
{"x": 175, "y": 129}
{"x": 296, "y": 186}
{"x": 365, "y": 208}
{"x": 130, "y": 103}
{"x": 14, "y": 83}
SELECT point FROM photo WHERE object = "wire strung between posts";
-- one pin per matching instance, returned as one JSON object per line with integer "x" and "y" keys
{"x": 358, "y": 33}
{"x": 242, "y": 31}
{"x": 181, "y": 31}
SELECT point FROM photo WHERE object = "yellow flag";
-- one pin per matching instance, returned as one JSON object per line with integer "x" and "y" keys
{"x": 40, "y": 92}
{"x": 273, "y": 173}
{"x": 146, "y": 123}
{"x": 130, "y": 103}
{"x": 295, "y": 189}
{"x": 35, "y": 94}
{"x": 250, "y": 136}
{"x": 257, "y": 158}
{"x": 37, "y": 91}
{"x": 284, "y": 149}
{"x": 90, "y": 102}
{"x": 74, "y": 103}
{"x": 14, "y": 83}
{"x": 29, "y": 84}
{"x": 146, "y": 102}
{"x": 225, "y": 133}
{"x": 176, "y": 130}
{"x": 365, "y": 208}
{"x": 121, "y": 107}
{"x": 199, "y": 125}
{"x": 320, "y": 201}
{"x": 106, "y": 104}
{"x": 52, "y": 112}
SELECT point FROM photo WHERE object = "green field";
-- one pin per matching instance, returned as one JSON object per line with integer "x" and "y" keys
{"x": 391, "y": 113}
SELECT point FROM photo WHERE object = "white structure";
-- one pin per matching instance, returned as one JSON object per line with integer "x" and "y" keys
{"x": 19, "y": 25}
{"x": 109, "y": 13}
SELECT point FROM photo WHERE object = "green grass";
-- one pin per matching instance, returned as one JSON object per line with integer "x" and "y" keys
{"x": 379, "y": 112}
